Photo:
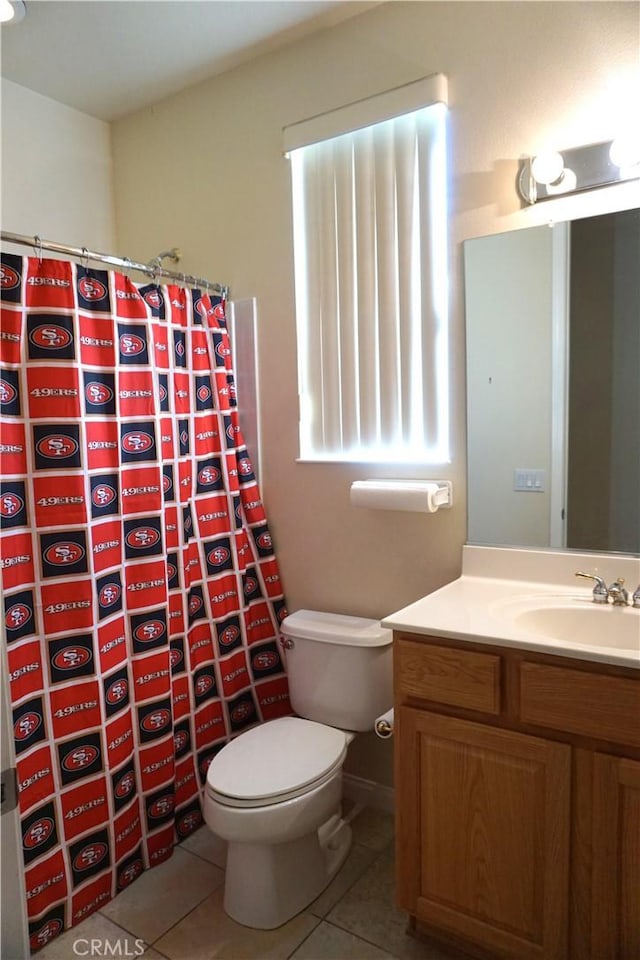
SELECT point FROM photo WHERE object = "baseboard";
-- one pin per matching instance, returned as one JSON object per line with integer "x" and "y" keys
{"x": 368, "y": 792}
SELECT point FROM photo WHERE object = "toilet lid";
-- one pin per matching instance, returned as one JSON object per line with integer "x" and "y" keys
{"x": 279, "y": 757}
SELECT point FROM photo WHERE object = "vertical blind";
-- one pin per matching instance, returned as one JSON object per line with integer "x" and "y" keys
{"x": 369, "y": 213}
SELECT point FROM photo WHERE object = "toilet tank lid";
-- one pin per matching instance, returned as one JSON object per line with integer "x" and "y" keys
{"x": 336, "y": 628}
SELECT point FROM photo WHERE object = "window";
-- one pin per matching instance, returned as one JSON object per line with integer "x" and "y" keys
{"x": 370, "y": 245}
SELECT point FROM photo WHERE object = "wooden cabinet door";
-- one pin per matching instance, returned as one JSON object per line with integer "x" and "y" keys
{"x": 615, "y": 890}
{"x": 482, "y": 819}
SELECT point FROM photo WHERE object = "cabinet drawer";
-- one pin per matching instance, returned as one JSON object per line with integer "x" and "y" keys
{"x": 606, "y": 708}
{"x": 448, "y": 675}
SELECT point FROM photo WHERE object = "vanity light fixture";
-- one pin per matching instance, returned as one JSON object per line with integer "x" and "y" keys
{"x": 551, "y": 174}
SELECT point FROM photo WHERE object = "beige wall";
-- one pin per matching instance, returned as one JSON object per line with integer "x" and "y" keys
{"x": 204, "y": 170}
{"x": 56, "y": 171}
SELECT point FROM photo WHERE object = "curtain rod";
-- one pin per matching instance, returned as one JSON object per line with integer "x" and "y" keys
{"x": 153, "y": 269}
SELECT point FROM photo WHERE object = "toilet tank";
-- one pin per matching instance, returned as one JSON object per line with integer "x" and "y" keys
{"x": 340, "y": 668}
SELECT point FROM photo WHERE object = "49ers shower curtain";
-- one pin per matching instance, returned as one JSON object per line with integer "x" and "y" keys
{"x": 141, "y": 592}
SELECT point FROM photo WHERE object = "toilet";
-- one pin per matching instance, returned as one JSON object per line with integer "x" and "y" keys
{"x": 274, "y": 793}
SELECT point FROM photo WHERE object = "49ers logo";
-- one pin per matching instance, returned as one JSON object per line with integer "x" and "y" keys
{"x": 154, "y": 299}
{"x": 98, "y": 393}
{"x": 103, "y": 495}
{"x": 180, "y": 739}
{"x": 46, "y": 933}
{"x": 166, "y": 483}
{"x": 155, "y": 721}
{"x": 142, "y": 538}
{"x": 203, "y": 394}
{"x": 250, "y": 585}
{"x": 161, "y": 807}
{"x": 264, "y": 541}
{"x": 203, "y": 685}
{"x": 162, "y": 393}
{"x": 137, "y": 441}
{"x": 195, "y": 603}
{"x": 8, "y": 392}
{"x": 241, "y": 712}
{"x": 175, "y": 657}
{"x": 50, "y": 337}
{"x": 125, "y": 785}
{"x": 38, "y": 833}
{"x": 131, "y": 345}
{"x": 117, "y": 691}
{"x": 91, "y": 289}
{"x": 265, "y": 660}
{"x": 17, "y": 615}
{"x": 189, "y": 822}
{"x": 90, "y": 856}
{"x": 172, "y": 571}
{"x": 218, "y": 556}
{"x": 79, "y": 758}
{"x": 208, "y": 476}
{"x": 56, "y": 446}
{"x": 229, "y": 635}
{"x": 149, "y": 631}
{"x": 71, "y": 658}
{"x": 10, "y": 504}
{"x": 64, "y": 553}
{"x": 26, "y": 725}
{"x": 9, "y": 278}
{"x": 244, "y": 465}
{"x": 129, "y": 874}
{"x": 109, "y": 594}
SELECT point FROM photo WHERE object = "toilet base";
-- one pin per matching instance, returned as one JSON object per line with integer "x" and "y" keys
{"x": 268, "y": 884}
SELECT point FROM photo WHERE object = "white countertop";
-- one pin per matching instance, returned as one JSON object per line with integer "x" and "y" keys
{"x": 473, "y": 607}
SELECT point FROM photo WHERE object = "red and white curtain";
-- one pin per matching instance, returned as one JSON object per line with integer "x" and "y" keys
{"x": 141, "y": 592}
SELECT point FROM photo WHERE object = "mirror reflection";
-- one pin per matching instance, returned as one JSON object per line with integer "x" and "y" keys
{"x": 553, "y": 381}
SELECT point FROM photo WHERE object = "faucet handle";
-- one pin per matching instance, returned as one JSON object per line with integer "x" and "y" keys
{"x": 618, "y": 594}
{"x": 600, "y": 592}
{"x": 635, "y": 599}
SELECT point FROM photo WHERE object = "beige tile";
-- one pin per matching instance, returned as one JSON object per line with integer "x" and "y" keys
{"x": 207, "y": 933}
{"x": 354, "y": 866}
{"x": 113, "y": 941}
{"x": 207, "y": 845}
{"x": 163, "y": 895}
{"x": 368, "y": 910}
{"x": 373, "y": 828}
{"x": 152, "y": 954}
{"x": 331, "y": 943}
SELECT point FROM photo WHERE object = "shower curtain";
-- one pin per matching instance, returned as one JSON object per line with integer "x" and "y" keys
{"x": 141, "y": 592}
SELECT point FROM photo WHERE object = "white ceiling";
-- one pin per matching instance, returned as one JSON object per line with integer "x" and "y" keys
{"x": 109, "y": 58}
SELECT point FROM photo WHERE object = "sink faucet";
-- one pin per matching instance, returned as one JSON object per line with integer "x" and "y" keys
{"x": 600, "y": 592}
{"x": 618, "y": 594}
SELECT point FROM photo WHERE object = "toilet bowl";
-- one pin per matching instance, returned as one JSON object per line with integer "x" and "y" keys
{"x": 274, "y": 793}
{"x": 286, "y": 838}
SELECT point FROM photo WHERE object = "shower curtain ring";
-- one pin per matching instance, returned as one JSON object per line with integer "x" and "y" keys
{"x": 127, "y": 267}
{"x": 37, "y": 249}
{"x": 85, "y": 258}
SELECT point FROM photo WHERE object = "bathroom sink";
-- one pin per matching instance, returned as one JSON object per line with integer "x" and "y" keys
{"x": 579, "y": 621}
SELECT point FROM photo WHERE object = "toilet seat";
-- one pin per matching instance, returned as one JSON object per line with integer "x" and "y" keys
{"x": 274, "y": 762}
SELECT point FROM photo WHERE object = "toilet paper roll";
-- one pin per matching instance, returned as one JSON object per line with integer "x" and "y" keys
{"x": 384, "y": 725}
{"x": 419, "y": 496}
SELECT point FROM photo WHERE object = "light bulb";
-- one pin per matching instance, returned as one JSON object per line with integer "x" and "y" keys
{"x": 625, "y": 151}
{"x": 547, "y": 167}
{"x": 566, "y": 182}
{"x": 6, "y": 11}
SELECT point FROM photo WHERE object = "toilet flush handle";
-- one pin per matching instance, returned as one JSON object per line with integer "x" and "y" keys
{"x": 287, "y": 643}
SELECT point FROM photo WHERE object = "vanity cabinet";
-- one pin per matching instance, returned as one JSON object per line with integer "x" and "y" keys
{"x": 517, "y": 800}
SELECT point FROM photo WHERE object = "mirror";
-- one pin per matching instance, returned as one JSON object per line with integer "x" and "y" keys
{"x": 553, "y": 385}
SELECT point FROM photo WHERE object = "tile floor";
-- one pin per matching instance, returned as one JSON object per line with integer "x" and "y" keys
{"x": 176, "y": 909}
